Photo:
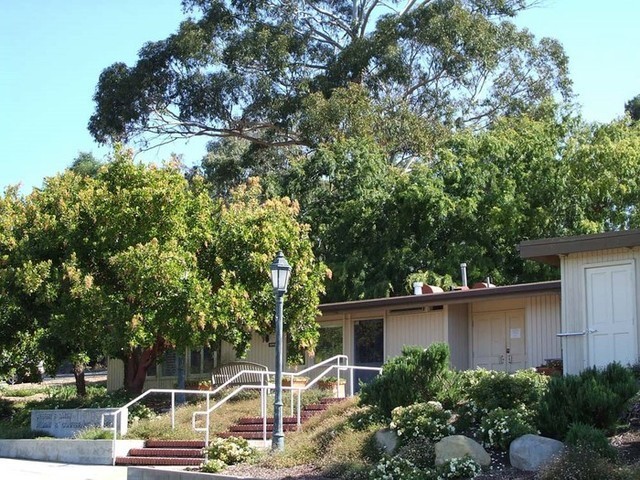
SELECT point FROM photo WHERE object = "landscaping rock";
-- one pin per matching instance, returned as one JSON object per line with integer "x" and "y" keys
{"x": 532, "y": 452}
{"x": 459, "y": 446}
{"x": 387, "y": 440}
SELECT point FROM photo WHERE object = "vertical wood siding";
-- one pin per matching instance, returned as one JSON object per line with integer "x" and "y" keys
{"x": 459, "y": 335}
{"x": 574, "y": 315}
{"x": 542, "y": 323}
{"x": 420, "y": 329}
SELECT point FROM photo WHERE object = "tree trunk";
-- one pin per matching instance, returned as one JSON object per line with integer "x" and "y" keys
{"x": 136, "y": 365}
{"x": 78, "y": 373}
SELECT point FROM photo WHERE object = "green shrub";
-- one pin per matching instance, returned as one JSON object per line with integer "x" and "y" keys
{"x": 415, "y": 376}
{"x": 213, "y": 466}
{"x": 365, "y": 417}
{"x": 419, "y": 451}
{"x": 427, "y": 420}
{"x": 230, "y": 450}
{"x": 579, "y": 463}
{"x": 590, "y": 438}
{"x": 398, "y": 468}
{"x": 491, "y": 390}
{"x": 6, "y": 409}
{"x": 501, "y": 426}
{"x": 458, "y": 468}
{"x": 595, "y": 397}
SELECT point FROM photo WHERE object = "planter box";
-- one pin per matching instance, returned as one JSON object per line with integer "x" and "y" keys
{"x": 336, "y": 388}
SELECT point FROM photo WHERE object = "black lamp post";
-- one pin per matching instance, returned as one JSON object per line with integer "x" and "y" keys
{"x": 280, "y": 270}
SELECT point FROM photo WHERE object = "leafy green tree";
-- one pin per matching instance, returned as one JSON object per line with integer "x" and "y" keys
{"x": 138, "y": 260}
{"x": 86, "y": 164}
{"x": 245, "y": 69}
{"x": 632, "y": 107}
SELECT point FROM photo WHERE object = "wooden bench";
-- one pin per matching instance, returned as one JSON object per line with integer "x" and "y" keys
{"x": 223, "y": 373}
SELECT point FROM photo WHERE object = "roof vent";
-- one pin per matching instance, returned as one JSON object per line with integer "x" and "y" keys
{"x": 431, "y": 289}
{"x": 486, "y": 284}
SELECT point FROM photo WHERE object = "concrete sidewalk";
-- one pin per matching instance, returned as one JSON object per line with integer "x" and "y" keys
{"x": 31, "y": 470}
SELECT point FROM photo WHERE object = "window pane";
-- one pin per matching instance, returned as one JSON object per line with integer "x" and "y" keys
{"x": 196, "y": 362}
{"x": 208, "y": 357}
{"x": 329, "y": 343}
{"x": 169, "y": 363}
{"x": 369, "y": 341}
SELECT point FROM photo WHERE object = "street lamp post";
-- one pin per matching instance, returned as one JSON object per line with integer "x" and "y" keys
{"x": 280, "y": 270}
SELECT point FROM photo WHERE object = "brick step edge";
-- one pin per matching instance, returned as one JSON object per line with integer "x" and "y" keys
{"x": 331, "y": 400}
{"x": 285, "y": 420}
{"x": 289, "y": 427}
{"x": 166, "y": 452}
{"x": 246, "y": 435}
{"x": 174, "y": 444}
{"x": 173, "y": 461}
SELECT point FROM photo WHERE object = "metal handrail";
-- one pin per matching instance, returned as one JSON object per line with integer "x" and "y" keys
{"x": 264, "y": 387}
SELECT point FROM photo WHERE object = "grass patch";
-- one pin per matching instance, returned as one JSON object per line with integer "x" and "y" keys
{"x": 331, "y": 442}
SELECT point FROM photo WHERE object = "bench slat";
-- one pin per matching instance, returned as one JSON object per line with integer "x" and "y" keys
{"x": 221, "y": 374}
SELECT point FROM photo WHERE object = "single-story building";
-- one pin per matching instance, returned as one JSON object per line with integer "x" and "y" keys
{"x": 589, "y": 317}
{"x": 501, "y": 328}
{"x": 600, "y": 295}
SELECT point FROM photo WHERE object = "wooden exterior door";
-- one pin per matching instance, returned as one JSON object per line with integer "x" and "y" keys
{"x": 611, "y": 314}
{"x": 498, "y": 341}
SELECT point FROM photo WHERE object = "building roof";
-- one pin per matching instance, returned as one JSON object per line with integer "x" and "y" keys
{"x": 548, "y": 250}
{"x": 456, "y": 296}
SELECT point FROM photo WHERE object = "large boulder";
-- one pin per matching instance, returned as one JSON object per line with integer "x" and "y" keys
{"x": 387, "y": 440}
{"x": 532, "y": 452}
{"x": 459, "y": 446}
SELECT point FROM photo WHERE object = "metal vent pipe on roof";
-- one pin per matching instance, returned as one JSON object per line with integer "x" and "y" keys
{"x": 463, "y": 273}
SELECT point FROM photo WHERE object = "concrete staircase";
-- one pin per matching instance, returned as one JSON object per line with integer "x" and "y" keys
{"x": 191, "y": 452}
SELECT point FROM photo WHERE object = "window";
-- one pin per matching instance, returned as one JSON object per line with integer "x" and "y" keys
{"x": 201, "y": 361}
{"x": 329, "y": 343}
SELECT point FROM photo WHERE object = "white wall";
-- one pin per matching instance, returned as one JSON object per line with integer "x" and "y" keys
{"x": 574, "y": 299}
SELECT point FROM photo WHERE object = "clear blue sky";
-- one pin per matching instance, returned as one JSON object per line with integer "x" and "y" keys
{"x": 52, "y": 52}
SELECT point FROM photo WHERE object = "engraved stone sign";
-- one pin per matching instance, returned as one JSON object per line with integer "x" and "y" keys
{"x": 65, "y": 423}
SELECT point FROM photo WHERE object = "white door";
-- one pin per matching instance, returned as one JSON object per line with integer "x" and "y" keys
{"x": 498, "y": 341}
{"x": 611, "y": 314}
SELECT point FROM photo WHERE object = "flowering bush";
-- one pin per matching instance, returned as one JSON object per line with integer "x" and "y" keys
{"x": 213, "y": 466}
{"x": 365, "y": 417}
{"x": 458, "y": 468}
{"x": 229, "y": 451}
{"x": 491, "y": 390}
{"x": 428, "y": 420}
{"x": 399, "y": 468}
{"x": 502, "y": 426}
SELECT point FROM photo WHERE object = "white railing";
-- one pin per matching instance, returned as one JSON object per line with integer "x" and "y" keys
{"x": 264, "y": 387}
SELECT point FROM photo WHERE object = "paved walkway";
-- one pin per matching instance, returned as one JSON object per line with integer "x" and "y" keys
{"x": 31, "y": 470}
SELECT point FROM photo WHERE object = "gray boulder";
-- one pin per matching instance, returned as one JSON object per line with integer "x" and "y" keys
{"x": 459, "y": 446}
{"x": 532, "y": 452}
{"x": 387, "y": 440}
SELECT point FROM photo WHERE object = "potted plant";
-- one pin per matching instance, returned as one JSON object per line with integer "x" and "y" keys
{"x": 298, "y": 381}
{"x": 552, "y": 366}
{"x": 198, "y": 385}
{"x": 334, "y": 384}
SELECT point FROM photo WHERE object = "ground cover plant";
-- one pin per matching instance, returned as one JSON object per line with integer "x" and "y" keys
{"x": 340, "y": 443}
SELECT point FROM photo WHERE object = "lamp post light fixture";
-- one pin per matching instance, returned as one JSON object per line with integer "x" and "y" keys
{"x": 280, "y": 270}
